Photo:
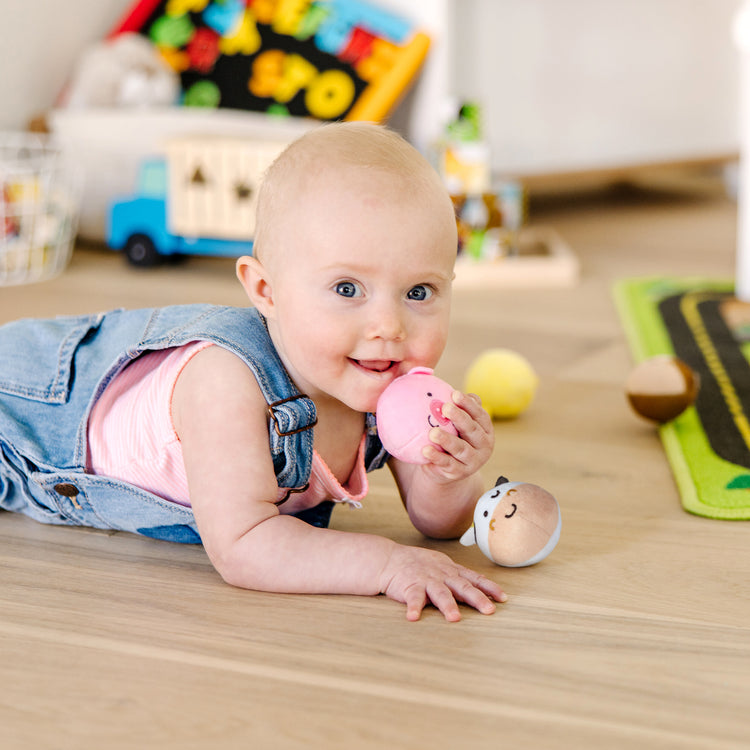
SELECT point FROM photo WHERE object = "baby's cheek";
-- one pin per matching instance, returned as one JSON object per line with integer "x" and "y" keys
{"x": 426, "y": 348}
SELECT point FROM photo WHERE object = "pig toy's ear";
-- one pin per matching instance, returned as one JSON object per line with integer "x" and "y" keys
{"x": 501, "y": 480}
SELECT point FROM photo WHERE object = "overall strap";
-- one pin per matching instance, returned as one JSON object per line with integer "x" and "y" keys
{"x": 292, "y": 414}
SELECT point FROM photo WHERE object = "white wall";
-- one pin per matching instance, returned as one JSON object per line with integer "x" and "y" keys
{"x": 39, "y": 43}
{"x": 586, "y": 84}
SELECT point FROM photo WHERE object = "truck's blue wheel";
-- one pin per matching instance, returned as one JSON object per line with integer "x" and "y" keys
{"x": 140, "y": 251}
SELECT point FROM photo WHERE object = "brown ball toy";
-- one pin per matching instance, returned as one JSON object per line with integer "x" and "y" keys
{"x": 661, "y": 388}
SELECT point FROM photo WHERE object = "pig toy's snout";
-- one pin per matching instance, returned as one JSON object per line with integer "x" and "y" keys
{"x": 409, "y": 409}
{"x": 436, "y": 409}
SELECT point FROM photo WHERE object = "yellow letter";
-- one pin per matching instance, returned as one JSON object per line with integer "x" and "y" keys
{"x": 298, "y": 73}
{"x": 178, "y": 7}
{"x": 289, "y": 16}
{"x": 330, "y": 94}
{"x": 244, "y": 39}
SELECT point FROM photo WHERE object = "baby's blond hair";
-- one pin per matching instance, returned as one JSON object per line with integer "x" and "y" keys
{"x": 333, "y": 147}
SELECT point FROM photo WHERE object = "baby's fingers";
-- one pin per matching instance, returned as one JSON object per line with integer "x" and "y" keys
{"x": 415, "y": 600}
{"x": 442, "y": 596}
{"x": 490, "y": 588}
{"x": 438, "y": 594}
{"x": 471, "y": 404}
{"x": 446, "y": 596}
{"x": 468, "y": 593}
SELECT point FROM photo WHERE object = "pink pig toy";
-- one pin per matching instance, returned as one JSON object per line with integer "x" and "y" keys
{"x": 408, "y": 409}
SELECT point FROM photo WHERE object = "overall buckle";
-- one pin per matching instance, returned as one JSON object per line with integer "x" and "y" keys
{"x": 276, "y": 426}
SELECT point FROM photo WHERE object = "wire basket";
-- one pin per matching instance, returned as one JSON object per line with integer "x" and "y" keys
{"x": 39, "y": 199}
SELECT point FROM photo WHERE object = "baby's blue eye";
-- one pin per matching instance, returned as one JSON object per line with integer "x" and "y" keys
{"x": 348, "y": 289}
{"x": 419, "y": 293}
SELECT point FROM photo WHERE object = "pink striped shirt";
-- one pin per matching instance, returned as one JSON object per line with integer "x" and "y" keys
{"x": 131, "y": 437}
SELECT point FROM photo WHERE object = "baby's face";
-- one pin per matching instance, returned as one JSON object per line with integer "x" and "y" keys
{"x": 362, "y": 286}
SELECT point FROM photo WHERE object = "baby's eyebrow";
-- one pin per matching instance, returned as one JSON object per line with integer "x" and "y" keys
{"x": 361, "y": 271}
{"x": 343, "y": 270}
{"x": 445, "y": 277}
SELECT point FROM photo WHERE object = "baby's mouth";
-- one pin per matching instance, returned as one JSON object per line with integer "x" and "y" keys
{"x": 376, "y": 365}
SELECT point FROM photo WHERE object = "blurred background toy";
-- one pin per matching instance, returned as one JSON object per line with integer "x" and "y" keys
{"x": 408, "y": 409}
{"x": 661, "y": 388}
{"x": 330, "y": 61}
{"x": 126, "y": 71}
{"x": 464, "y": 158}
{"x": 489, "y": 220}
{"x": 39, "y": 199}
{"x": 198, "y": 199}
{"x": 515, "y": 524}
{"x": 8, "y": 220}
{"x": 504, "y": 380}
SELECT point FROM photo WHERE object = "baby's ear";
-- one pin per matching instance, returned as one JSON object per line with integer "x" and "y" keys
{"x": 256, "y": 281}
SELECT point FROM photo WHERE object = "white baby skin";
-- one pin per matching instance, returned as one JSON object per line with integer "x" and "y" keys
{"x": 355, "y": 287}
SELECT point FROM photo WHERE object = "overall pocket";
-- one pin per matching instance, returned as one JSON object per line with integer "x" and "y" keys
{"x": 105, "y": 503}
{"x": 36, "y": 356}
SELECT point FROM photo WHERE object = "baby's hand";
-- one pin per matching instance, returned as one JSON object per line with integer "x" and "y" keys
{"x": 467, "y": 452}
{"x": 416, "y": 576}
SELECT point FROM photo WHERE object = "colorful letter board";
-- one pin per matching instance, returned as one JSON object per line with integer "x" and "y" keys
{"x": 327, "y": 59}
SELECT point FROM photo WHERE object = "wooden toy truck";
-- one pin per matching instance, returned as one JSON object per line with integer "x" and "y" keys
{"x": 198, "y": 199}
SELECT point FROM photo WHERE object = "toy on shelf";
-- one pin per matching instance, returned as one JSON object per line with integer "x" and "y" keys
{"x": 488, "y": 220}
{"x": 463, "y": 157}
{"x": 489, "y": 223}
{"x": 408, "y": 409}
{"x": 496, "y": 246}
{"x": 515, "y": 524}
{"x": 661, "y": 388}
{"x": 198, "y": 200}
{"x": 327, "y": 59}
{"x": 126, "y": 71}
{"x": 504, "y": 380}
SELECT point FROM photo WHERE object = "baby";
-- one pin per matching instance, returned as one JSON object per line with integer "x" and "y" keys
{"x": 240, "y": 427}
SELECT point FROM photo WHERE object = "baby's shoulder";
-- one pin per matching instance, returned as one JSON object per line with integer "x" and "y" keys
{"x": 219, "y": 381}
{"x": 216, "y": 365}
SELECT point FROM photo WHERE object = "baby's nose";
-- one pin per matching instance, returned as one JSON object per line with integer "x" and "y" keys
{"x": 387, "y": 324}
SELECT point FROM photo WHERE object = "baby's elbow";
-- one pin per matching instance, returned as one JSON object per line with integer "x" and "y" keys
{"x": 241, "y": 557}
{"x": 231, "y": 571}
{"x": 232, "y": 564}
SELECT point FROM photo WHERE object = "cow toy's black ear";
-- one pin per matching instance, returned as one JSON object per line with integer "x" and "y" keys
{"x": 501, "y": 480}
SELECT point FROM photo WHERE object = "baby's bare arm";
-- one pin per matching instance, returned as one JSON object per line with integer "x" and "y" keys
{"x": 440, "y": 495}
{"x": 233, "y": 489}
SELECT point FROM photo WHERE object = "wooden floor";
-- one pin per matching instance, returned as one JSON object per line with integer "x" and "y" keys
{"x": 635, "y": 633}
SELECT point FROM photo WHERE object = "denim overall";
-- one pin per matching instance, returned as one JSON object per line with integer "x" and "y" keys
{"x": 52, "y": 372}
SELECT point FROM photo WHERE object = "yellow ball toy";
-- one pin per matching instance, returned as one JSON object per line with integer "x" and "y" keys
{"x": 504, "y": 380}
